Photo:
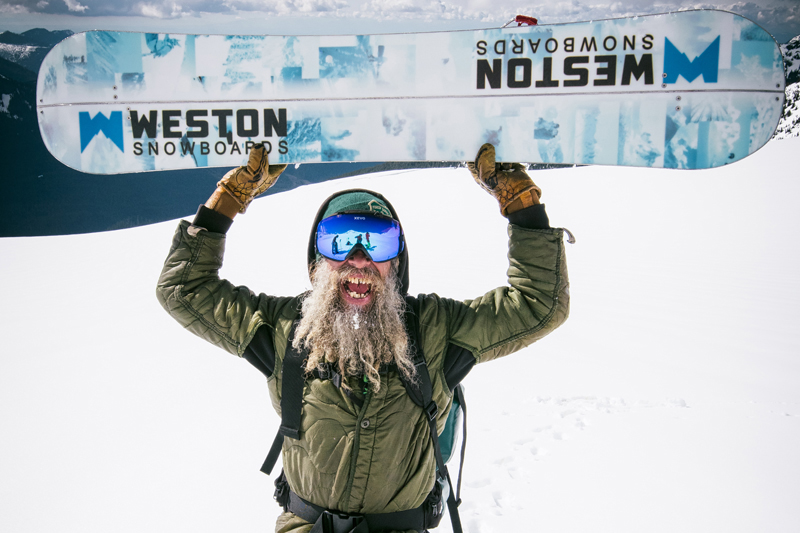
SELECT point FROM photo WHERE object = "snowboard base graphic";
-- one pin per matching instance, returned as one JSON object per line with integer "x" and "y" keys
{"x": 694, "y": 89}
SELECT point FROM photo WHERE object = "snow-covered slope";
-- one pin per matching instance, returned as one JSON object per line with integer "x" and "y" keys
{"x": 16, "y": 52}
{"x": 669, "y": 401}
{"x": 791, "y": 60}
{"x": 789, "y": 125}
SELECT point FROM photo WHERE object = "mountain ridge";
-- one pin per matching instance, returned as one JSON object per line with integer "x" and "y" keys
{"x": 66, "y": 201}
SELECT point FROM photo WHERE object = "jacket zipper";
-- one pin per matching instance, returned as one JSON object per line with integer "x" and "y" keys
{"x": 356, "y": 444}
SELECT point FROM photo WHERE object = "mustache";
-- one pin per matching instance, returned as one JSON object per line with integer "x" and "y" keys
{"x": 369, "y": 272}
{"x": 368, "y": 275}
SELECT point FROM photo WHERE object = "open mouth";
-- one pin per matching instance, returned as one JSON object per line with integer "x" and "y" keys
{"x": 357, "y": 288}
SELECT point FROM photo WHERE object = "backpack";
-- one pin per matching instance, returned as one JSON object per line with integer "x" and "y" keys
{"x": 421, "y": 393}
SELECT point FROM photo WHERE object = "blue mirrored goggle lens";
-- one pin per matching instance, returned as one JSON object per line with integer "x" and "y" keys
{"x": 381, "y": 237}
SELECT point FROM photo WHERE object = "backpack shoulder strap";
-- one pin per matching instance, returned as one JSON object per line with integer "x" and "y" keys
{"x": 459, "y": 394}
{"x": 292, "y": 382}
{"x": 421, "y": 393}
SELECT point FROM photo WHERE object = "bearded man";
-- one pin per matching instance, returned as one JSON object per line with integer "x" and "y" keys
{"x": 362, "y": 457}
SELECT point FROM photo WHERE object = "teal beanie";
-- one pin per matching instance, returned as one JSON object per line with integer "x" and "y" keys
{"x": 357, "y": 202}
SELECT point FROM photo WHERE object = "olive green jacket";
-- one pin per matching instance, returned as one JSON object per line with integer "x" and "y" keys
{"x": 377, "y": 458}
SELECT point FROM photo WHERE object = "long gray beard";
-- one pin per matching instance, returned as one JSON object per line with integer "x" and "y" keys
{"x": 357, "y": 340}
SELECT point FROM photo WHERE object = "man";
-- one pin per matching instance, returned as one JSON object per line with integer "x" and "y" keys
{"x": 363, "y": 446}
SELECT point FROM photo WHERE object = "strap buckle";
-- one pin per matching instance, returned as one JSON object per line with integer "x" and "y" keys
{"x": 432, "y": 410}
{"x": 281, "y": 494}
{"x": 327, "y": 372}
{"x": 289, "y": 431}
{"x": 339, "y": 522}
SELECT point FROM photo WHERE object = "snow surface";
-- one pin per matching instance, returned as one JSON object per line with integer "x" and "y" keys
{"x": 5, "y": 100}
{"x": 791, "y": 56}
{"x": 16, "y": 52}
{"x": 789, "y": 125}
{"x": 669, "y": 401}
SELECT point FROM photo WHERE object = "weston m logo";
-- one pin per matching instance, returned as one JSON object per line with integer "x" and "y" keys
{"x": 676, "y": 63}
{"x": 110, "y": 126}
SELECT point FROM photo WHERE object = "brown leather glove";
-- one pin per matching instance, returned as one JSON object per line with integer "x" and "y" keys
{"x": 508, "y": 182}
{"x": 248, "y": 181}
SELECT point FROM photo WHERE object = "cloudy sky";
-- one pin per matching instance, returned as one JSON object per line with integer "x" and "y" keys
{"x": 779, "y": 17}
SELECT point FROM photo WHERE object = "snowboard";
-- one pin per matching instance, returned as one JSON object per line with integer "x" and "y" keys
{"x": 688, "y": 90}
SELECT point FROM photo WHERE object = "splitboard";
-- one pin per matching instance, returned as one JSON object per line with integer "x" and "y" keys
{"x": 693, "y": 89}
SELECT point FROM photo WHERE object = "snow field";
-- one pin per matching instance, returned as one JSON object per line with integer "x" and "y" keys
{"x": 668, "y": 401}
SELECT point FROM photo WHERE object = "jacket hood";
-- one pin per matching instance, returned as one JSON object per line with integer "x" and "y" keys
{"x": 402, "y": 267}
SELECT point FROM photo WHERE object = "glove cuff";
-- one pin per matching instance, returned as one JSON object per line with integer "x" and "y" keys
{"x": 525, "y": 198}
{"x": 227, "y": 189}
{"x": 222, "y": 201}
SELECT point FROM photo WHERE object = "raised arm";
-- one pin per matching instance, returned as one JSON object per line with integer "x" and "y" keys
{"x": 190, "y": 288}
{"x": 536, "y": 299}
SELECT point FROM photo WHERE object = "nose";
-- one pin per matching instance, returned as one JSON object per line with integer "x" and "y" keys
{"x": 359, "y": 259}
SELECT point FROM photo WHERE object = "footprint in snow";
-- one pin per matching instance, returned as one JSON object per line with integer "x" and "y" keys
{"x": 538, "y": 451}
{"x": 503, "y": 499}
{"x": 514, "y": 473}
{"x": 479, "y": 483}
{"x": 475, "y": 526}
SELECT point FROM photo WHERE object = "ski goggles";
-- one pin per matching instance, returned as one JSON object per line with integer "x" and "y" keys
{"x": 381, "y": 238}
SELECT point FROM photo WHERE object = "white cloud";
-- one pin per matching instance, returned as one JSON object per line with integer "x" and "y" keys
{"x": 290, "y": 7}
{"x": 415, "y": 9}
{"x": 161, "y": 11}
{"x": 9, "y": 9}
{"x": 151, "y": 10}
{"x": 75, "y": 6}
{"x": 313, "y": 6}
{"x": 780, "y": 17}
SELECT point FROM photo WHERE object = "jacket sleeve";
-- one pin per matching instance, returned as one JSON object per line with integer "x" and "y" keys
{"x": 535, "y": 302}
{"x": 192, "y": 292}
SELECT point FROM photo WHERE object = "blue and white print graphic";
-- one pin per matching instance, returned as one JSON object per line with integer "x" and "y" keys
{"x": 689, "y": 90}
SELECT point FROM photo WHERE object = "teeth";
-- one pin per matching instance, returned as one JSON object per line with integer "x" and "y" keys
{"x": 357, "y": 281}
{"x": 356, "y": 295}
